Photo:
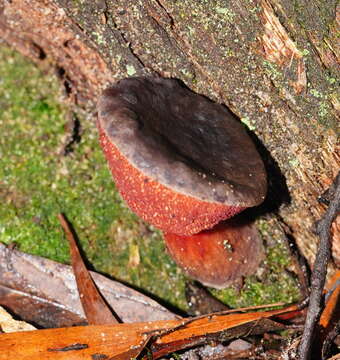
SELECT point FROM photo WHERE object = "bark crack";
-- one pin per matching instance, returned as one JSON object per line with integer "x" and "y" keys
{"x": 121, "y": 37}
{"x": 163, "y": 20}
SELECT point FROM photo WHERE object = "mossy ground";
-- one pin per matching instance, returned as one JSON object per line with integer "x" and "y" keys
{"x": 37, "y": 181}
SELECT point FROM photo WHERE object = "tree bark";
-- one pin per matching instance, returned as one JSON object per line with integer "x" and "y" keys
{"x": 274, "y": 63}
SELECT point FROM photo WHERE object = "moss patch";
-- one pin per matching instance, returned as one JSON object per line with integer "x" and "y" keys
{"x": 272, "y": 283}
{"x": 37, "y": 181}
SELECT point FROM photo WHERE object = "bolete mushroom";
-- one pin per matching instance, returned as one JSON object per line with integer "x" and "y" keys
{"x": 181, "y": 162}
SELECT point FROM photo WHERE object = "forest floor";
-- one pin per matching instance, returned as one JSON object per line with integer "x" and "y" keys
{"x": 51, "y": 162}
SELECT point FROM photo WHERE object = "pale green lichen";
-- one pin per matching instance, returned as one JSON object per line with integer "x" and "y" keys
{"x": 100, "y": 39}
{"x": 229, "y": 15}
{"x": 229, "y": 52}
{"x": 249, "y": 123}
{"x": 305, "y": 52}
{"x": 130, "y": 69}
{"x": 316, "y": 93}
{"x": 330, "y": 79}
{"x": 294, "y": 162}
{"x": 272, "y": 70}
{"x": 323, "y": 109}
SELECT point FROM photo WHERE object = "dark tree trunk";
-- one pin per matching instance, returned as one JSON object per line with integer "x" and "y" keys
{"x": 273, "y": 62}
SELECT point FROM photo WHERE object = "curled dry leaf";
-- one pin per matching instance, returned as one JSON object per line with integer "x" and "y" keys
{"x": 96, "y": 309}
{"x": 331, "y": 311}
{"x": 46, "y": 286}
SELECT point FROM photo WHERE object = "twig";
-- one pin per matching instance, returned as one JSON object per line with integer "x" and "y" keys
{"x": 329, "y": 339}
{"x": 319, "y": 272}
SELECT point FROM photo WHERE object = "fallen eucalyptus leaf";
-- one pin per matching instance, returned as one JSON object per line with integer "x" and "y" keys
{"x": 125, "y": 341}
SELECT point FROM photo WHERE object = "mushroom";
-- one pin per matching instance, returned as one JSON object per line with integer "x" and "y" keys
{"x": 181, "y": 162}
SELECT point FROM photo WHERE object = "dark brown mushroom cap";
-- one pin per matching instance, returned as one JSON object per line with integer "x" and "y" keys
{"x": 182, "y": 141}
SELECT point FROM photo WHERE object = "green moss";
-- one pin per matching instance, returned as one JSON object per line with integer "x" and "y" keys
{"x": 274, "y": 284}
{"x": 272, "y": 70}
{"x": 38, "y": 181}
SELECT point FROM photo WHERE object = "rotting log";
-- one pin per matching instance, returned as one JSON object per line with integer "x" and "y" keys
{"x": 272, "y": 62}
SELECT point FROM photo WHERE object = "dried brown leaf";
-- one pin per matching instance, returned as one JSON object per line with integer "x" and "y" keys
{"x": 124, "y": 341}
{"x": 33, "y": 287}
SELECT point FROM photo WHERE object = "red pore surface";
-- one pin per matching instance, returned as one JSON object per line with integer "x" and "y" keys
{"x": 220, "y": 256}
{"x": 159, "y": 205}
